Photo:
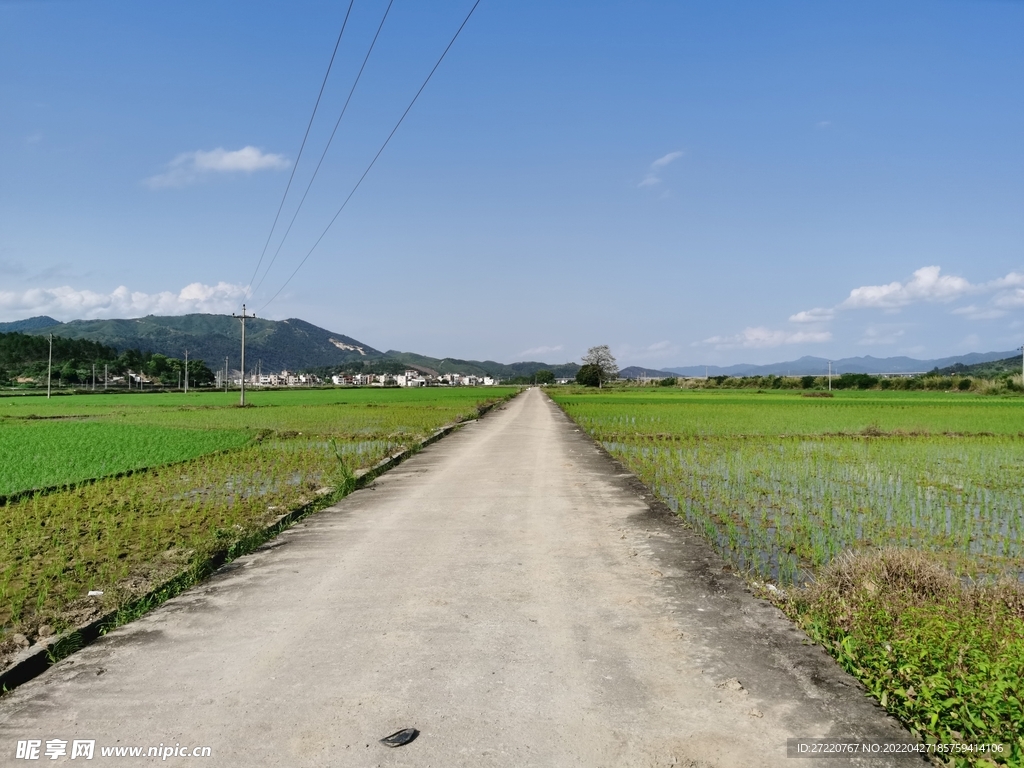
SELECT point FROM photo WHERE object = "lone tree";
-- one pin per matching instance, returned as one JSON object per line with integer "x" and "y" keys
{"x": 589, "y": 376}
{"x": 544, "y": 377}
{"x": 601, "y": 357}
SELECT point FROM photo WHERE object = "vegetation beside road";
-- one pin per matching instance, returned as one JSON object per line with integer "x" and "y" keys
{"x": 123, "y": 535}
{"x": 998, "y": 382}
{"x": 804, "y": 494}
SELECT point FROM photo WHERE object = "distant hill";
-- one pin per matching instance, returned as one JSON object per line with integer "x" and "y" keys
{"x": 480, "y": 368}
{"x": 636, "y": 372}
{"x": 31, "y": 324}
{"x": 818, "y": 366}
{"x": 278, "y": 344}
{"x": 986, "y": 370}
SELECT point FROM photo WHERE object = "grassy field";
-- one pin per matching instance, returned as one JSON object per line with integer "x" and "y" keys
{"x": 787, "y": 487}
{"x": 66, "y": 439}
{"x": 216, "y": 474}
{"x": 782, "y": 483}
{"x": 43, "y": 454}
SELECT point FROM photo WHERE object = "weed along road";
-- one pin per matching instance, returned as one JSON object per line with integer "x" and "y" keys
{"x": 509, "y": 592}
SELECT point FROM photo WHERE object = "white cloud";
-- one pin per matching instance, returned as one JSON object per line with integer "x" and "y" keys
{"x": 652, "y": 178}
{"x": 972, "y": 312}
{"x": 190, "y": 167}
{"x": 1012, "y": 280}
{"x": 664, "y": 160}
{"x": 67, "y": 303}
{"x": 540, "y": 351}
{"x": 927, "y": 284}
{"x": 816, "y": 315}
{"x": 762, "y": 337}
{"x": 1009, "y": 299}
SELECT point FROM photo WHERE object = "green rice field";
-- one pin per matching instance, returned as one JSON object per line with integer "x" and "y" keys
{"x": 782, "y": 483}
{"x": 214, "y": 473}
{"x": 63, "y": 440}
{"x": 891, "y": 523}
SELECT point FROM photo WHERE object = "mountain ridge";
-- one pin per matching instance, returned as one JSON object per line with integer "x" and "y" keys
{"x": 276, "y": 344}
{"x": 29, "y": 324}
{"x": 818, "y": 366}
{"x": 298, "y": 344}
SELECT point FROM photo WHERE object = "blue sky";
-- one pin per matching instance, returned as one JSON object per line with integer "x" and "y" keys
{"x": 689, "y": 182}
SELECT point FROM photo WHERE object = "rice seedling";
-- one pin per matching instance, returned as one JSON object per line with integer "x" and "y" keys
{"x": 43, "y": 454}
{"x": 797, "y": 490}
{"x": 782, "y": 484}
{"x": 122, "y": 535}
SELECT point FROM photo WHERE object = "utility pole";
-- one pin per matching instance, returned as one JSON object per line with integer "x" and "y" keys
{"x": 1021, "y": 350}
{"x": 225, "y": 374}
{"x": 186, "y": 371}
{"x": 830, "y": 376}
{"x": 104, "y": 376}
{"x": 243, "y": 317}
{"x": 49, "y": 368}
{"x": 94, "y": 377}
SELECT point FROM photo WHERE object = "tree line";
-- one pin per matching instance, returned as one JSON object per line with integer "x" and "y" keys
{"x": 23, "y": 356}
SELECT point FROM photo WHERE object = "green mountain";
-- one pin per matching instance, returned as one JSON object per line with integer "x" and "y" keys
{"x": 986, "y": 370}
{"x": 24, "y": 355}
{"x": 31, "y": 324}
{"x": 276, "y": 344}
{"x": 480, "y": 368}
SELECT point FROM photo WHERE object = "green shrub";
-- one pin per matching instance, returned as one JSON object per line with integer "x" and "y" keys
{"x": 946, "y": 659}
{"x": 589, "y": 376}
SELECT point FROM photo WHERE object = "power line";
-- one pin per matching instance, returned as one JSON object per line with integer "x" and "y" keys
{"x": 309, "y": 125}
{"x": 324, "y": 154}
{"x": 379, "y": 151}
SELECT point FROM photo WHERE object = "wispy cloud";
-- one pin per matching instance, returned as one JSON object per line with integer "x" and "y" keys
{"x": 972, "y": 312}
{"x": 816, "y": 315}
{"x": 761, "y": 337}
{"x": 67, "y": 303}
{"x": 653, "y": 178}
{"x": 190, "y": 167}
{"x": 540, "y": 351}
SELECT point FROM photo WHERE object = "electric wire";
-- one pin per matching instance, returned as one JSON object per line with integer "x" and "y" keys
{"x": 324, "y": 153}
{"x": 302, "y": 146}
{"x": 379, "y": 151}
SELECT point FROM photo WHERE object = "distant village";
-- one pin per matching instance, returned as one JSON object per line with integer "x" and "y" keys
{"x": 409, "y": 378}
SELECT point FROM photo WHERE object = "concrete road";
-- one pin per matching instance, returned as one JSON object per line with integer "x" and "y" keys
{"x": 510, "y": 592}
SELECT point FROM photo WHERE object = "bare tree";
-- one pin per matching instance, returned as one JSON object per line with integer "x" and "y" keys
{"x": 604, "y": 360}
